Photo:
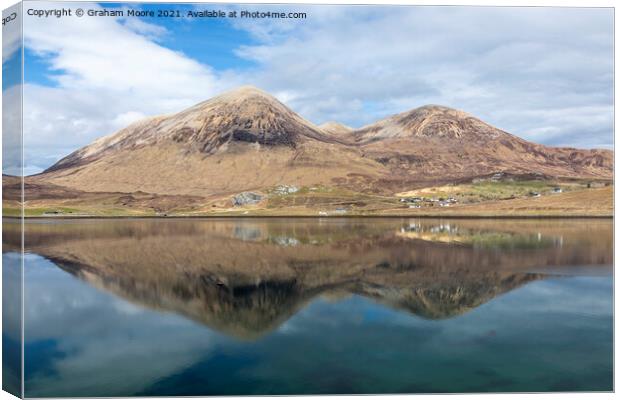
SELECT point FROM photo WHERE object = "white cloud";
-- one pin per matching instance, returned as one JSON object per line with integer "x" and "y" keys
{"x": 127, "y": 118}
{"x": 11, "y": 32}
{"x": 11, "y": 127}
{"x": 521, "y": 69}
{"x": 151, "y": 31}
{"x": 541, "y": 73}
{"x": 104, "y": 54}
{"x": 108, "y": 73}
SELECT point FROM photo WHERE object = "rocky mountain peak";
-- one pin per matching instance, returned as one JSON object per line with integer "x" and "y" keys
{"x": 246, "y": 114}
{"x": 430, "y": 121}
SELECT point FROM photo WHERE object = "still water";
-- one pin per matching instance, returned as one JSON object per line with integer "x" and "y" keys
{"x": 298, "y": 306}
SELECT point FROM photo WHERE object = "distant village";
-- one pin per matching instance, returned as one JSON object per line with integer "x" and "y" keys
{"x": 419, "y": 202}
{"x": 413, "y": 202}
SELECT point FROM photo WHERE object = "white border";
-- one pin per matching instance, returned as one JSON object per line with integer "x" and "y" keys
{"x": 508, "y": 3}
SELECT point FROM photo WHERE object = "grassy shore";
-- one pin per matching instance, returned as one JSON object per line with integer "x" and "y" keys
{"x": 573, "y": 201}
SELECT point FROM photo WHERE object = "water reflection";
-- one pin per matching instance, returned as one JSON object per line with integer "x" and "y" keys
{"x": 304, "y": 306}
{"x": 245, "y": 277}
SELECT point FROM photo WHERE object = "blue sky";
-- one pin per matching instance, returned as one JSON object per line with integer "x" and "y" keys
{"x": 544, "y": 74}
{"x": 209, "y": 41}
{"x": 11, "y": 71}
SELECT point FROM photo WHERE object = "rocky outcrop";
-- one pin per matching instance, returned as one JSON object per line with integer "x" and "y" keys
{"x": 246, "y": 198}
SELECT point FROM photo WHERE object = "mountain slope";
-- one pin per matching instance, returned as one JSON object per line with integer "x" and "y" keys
{"x": 429, "y": 121}
{"x": 336, "y": 128}
{"x": 241, "y": 140}
{"x": 441, "y": 143}
{"x": 246, "y": 114}
{"x": 246, "y": 140}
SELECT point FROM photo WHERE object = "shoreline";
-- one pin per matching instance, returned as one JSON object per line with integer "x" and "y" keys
{"x": 425, "y": 216}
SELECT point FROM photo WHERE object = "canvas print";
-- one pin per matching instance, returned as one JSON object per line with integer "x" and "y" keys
{"x": 283, "y": 199}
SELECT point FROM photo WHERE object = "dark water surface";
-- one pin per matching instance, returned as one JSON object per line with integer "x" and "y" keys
{"x": 292, "y": 306}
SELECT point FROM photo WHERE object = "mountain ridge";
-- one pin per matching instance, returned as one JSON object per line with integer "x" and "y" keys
{"x": 429, "y": 120}
{"x": 336, "y": 128}
{"x": 246, "y": 114}
{"x": 247, "y": 140}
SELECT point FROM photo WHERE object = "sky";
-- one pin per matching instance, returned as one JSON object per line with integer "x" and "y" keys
{"x": 544, "y": 74}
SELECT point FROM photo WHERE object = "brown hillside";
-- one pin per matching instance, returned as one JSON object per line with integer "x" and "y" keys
{"x": 443, "y": 144}
{"x": 246, "y": 140}
{"x": 336, "y": 129}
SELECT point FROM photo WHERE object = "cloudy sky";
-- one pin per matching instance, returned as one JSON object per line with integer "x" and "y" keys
{"x": 544, "y": 74}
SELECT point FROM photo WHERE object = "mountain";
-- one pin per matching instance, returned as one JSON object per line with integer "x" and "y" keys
{"x": 444, "y": 144}
{"x": 242, "y": 140}
{"x": 246, "y": 114}
{"x": 246, "y": 140}
{"x": 336, "y": 128}
{"x": 430, "y": 121}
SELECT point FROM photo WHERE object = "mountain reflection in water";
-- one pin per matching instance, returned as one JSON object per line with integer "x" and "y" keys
{"x": 245, "y": 277}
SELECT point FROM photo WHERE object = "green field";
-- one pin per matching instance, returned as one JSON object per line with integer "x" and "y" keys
{"x": 479, "y": 198}
{"x": 493, "y": 190}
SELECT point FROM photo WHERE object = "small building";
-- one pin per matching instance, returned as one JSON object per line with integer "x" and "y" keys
{"x": 286, "y": 189}
{"x": 497, "y": 176}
